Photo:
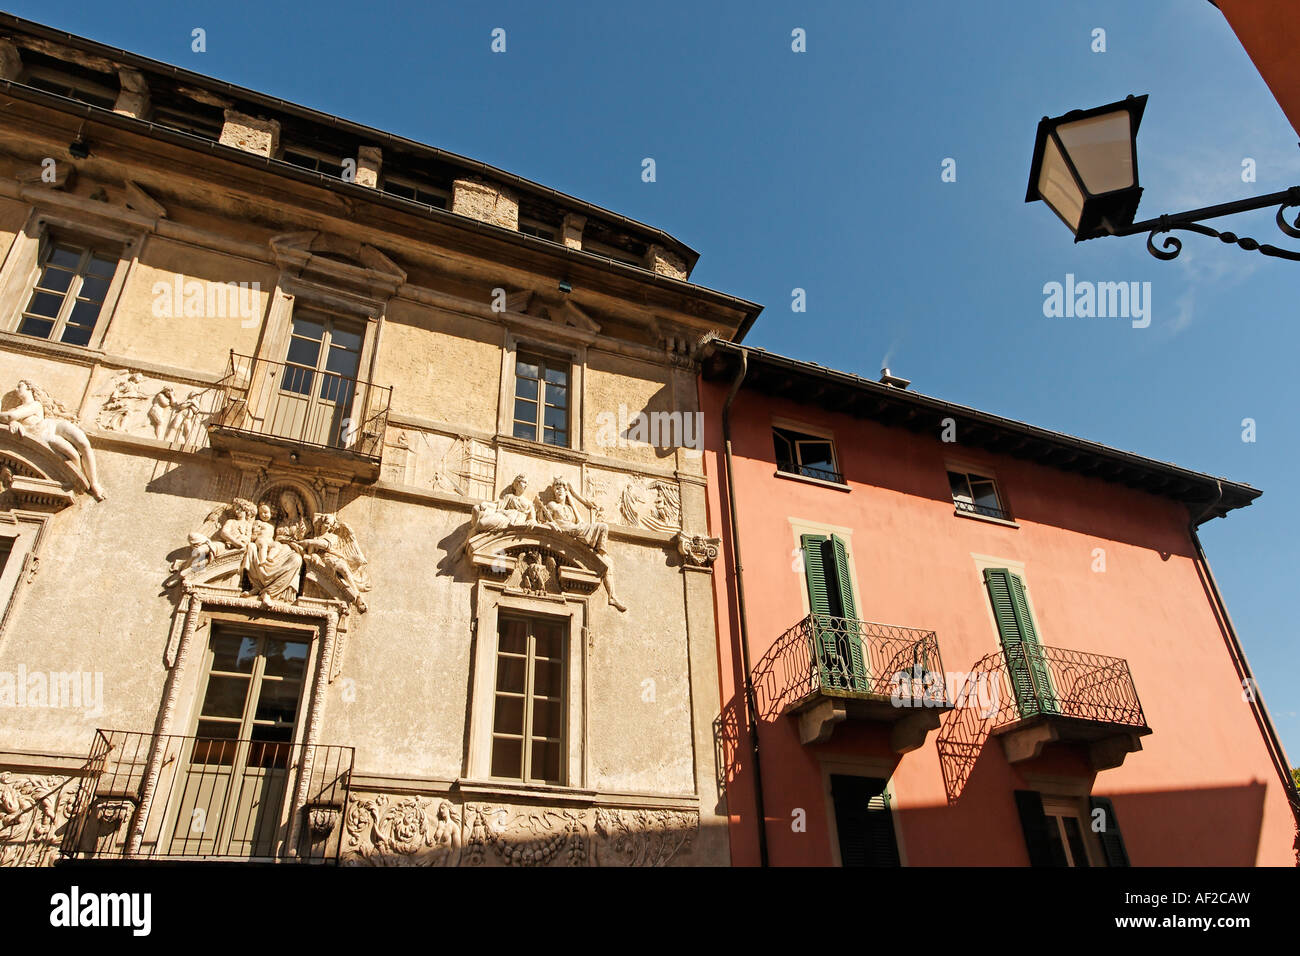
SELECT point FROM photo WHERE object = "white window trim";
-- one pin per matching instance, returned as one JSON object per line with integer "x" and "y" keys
{"x": 1077, "y": 807}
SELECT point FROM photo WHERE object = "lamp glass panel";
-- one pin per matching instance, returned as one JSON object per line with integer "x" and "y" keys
{"x": 1057, "y": 186}
{"x": 1101, "y": 149}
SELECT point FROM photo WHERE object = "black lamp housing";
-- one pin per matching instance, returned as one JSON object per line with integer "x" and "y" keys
{"x": 1100, "y": 212}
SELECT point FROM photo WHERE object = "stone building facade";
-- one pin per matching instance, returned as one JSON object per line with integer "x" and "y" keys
{"x": 349, "y": 505}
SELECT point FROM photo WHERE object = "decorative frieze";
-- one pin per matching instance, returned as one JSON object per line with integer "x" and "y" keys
{"x": 34, "y": 809}
{"x": 381, "y": 830}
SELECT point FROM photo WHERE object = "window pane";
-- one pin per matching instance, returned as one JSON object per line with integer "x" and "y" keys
{"x": 94, "y": 289}
{"x": 345, "y": 339}
{"x": 84, "y": 314}
{"x": 514, "y": 636}
{"x": 509, "y": 718}
{"x": 526, "y": 388}
{"x": 548, "y": 678}
{"x": 56, "y": 280}
{"x": 101, "y": 266}
{"x": 557, "y": 418}
{"x": 75, "y": 335}
{"x": 526, "y": 367}
{"x": 218, "y": 747}
{"x": 960, "y": 489}
{"x": 507, "y": 757}
{"x": 525, "y": 411}
{"x": 557, "y": 376}
{"x": 45, "y": 304}
{"x": 511, "y": 672}
{"x": 986, "y": 495}
{"x": 550, "y": 639}
{"x": 307, "y": 329}
{"x": 38, "y": 327}
{"x": 303, "y": 352}
{"x": 546, "y": 761}
{"x": 525, "y": 431}
{"x": 1078, "y": 852}
{"x": 233, "y": 653}
{"x": 225, "y": 697}
{"x": 278, "y": 701}
{"x": 816, "y": 454}
{"x": 1054, "y": 837}
{"x": 67, "y": 256}
{"x": 548, "y": 718}
{"x": 557, "y": 395}
{"x": 553, "y": 436}
{"x": 782, "y": 447}
{"x": 286, "y": 658}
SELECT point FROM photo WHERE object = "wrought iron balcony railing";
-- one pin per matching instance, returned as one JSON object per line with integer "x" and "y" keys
{"x": 302, "y": 405}
{"x": 808, "y": 471}
{"x": 844, "y": 657}
{"x": 1091, "y": 693}
{"x": 988, "y": 511}
{"x": 168, "y": 797}
{"x": 1058, "y": 682}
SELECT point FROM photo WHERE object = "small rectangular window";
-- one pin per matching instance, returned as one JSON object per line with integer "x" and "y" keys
{"x": 74, "y": 88}
{"x": 541, "y": 399}
{"x": 316, "y": 162}
{"x": 976, "y": 494}
{"x": 69, "y": 293}
{"x": 528, "y": 713}
{"x": 416, "y": 192}
{"x": 811, "y": 456}
{"x": 531, "y": 227}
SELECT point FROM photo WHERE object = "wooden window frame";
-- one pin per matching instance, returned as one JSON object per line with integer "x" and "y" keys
{"x": 967, "y": 472}
{"x": 814, "y": 433}
{"x": 526, "y": 737}
{"x": 546, "y": 360}
{"x": 87, "y": 250}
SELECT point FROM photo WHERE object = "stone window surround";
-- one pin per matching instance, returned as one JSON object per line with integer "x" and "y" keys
{"x": 489, "y": 599}
{"x": 842, "y": 766}
{"x": 25, "y": 531}
{"x": 290, "y": 291}
{"x": 189, "y": 643}
{"x": 21, "y": 268}
{"x": 577, "y": 356}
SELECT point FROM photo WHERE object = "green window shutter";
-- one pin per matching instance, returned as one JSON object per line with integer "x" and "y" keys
{"x": 1043, "y": 850}
{"x": 1033, "y": 650}
{"x": 838, "y": 558}
{"x": 814, "y": 570}
{"x": 998, "y": 581}
{"x": 823, "y": 600}
{"x": 863, "y": 821}
{"x": 1112, "y": 841}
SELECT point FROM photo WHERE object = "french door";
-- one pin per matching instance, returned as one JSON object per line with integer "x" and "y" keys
{"x": 318, "y": 385}
{"x": 231, "y": 796}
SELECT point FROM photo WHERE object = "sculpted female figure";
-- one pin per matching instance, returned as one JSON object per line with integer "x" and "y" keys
{"x": 272, "y": 566}
{"x": 42, "y": 420}
{"x": 511, "y": 510}
{"x": 293, "y": 526}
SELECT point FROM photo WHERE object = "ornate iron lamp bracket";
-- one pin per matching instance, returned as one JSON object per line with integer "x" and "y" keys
{"x": 1171, "y": 245}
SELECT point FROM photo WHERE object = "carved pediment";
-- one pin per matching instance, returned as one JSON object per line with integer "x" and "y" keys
{"x": 35, "y": 478}
{"x": 537, "y": 561}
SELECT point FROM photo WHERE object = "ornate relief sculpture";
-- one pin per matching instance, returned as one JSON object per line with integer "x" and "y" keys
{"x": 561, "y": 514}
{"x": 33, "y": 813}
{"x": 161, "y": 410}
{"x": 510, "y": 510}
{"x": 276, "y": 544}
{"x": 537, "y": 576}
{"x": 272, "y": 566}
{"x": 234, "y": 533}
{"x": 698, "y": 550}
{"x": 121, "y": 401}
{"x": 39, "y": 419}
{"x": 334, "y": 548}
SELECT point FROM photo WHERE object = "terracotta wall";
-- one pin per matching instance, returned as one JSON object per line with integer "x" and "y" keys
{"x": 1201, "y": 791}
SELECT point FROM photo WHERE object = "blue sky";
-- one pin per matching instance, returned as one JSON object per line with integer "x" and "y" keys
{"x": 821, "y": 171}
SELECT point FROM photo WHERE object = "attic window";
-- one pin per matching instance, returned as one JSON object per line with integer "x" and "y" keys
{"x": 73, "y": 87}
{"x": 317, "y": 162}
{"x": 532, "y": 227}
{"x": 416, "y": 192}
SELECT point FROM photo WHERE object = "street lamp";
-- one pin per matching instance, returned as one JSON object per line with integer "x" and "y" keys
{"x": 1085, "y": 170}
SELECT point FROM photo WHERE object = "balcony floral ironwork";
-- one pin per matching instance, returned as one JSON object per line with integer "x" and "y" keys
{"x": 297, "y": 405}
{"x": 826, "y": 669}
{"x": 148, "y": 797}
{"x": 1037, "y": 695}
